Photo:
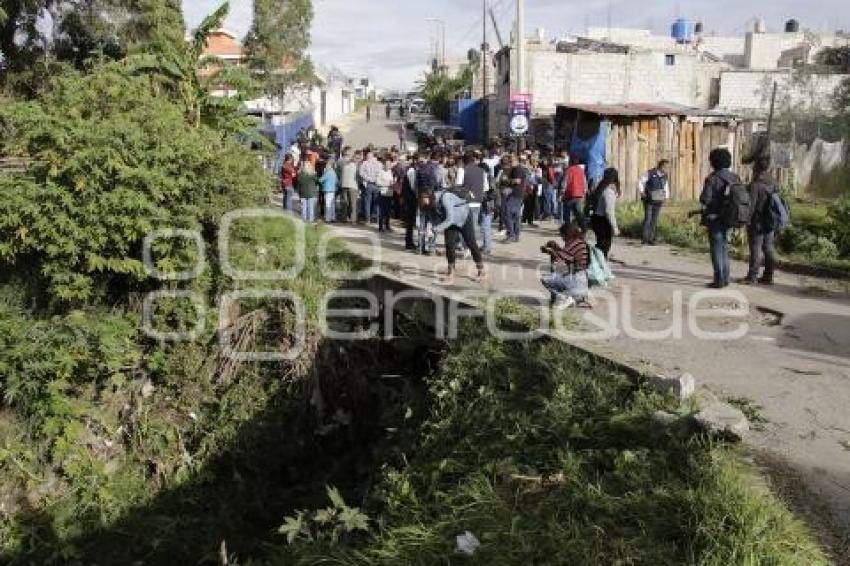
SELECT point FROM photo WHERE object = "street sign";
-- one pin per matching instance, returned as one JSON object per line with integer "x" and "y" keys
{"x": 519, "y": 124}
{"x": 520, "y": 113}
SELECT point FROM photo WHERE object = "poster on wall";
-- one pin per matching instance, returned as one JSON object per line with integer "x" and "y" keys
{"x": 520, "y": 113}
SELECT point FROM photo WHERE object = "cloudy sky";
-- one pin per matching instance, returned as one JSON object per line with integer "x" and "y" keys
{"x": 390, "y": 40}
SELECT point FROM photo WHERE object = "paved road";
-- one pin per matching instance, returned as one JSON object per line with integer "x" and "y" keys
{"x": 794, "y": 360}
{"x": 379, "y": 131}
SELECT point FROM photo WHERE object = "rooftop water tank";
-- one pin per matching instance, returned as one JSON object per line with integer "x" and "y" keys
{"x": 792, "y": 26}
{"x": 682, "y": 31}
{"x": 699, "y": 28}
{"x": 760, "y": 26}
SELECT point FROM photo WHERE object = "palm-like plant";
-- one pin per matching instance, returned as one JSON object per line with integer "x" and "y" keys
{"x": 438, "y": 89}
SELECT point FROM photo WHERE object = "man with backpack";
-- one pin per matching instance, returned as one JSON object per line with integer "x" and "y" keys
{"x": 513, "y": 197}
{"x": 769, "y": 215}
{"x": 409, "y": 204}
{"x": 473, "y": 186}
{"x": 725, "y": 205}
{"x": 655, "y": 190}
{"x": 428, "y": 181}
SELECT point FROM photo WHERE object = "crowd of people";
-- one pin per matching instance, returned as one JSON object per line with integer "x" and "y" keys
{"x": 475, "y": 197}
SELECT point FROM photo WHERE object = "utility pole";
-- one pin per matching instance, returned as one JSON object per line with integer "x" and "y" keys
{"x": 441, "y": 52}
{"x": 484, "y": 50}
{"x": 520, "y": 38}
{"x": 443, "y": 23}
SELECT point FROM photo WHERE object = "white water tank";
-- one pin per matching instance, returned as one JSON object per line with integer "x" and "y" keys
{"x": 760, "y": 26}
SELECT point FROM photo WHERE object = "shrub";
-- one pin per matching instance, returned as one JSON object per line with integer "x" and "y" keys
{"x": 839, "y": 215}
{"x": 112, "y": 162}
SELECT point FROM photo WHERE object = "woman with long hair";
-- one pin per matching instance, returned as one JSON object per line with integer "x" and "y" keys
{"x": 604, "y": 219}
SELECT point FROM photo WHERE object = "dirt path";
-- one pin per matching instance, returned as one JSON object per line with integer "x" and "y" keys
{"x": 793, "y": 361}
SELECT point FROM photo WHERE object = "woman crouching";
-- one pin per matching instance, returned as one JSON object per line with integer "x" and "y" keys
{"x": 568, "y": 280}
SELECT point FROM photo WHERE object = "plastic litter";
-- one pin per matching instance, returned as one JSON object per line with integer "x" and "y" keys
{"x": 467, "y": 544}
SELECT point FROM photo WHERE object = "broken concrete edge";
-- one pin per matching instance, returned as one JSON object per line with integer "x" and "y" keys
{"x": 712, "y": 415}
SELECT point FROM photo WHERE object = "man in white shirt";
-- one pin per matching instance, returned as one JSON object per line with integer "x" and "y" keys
{"x": 295, "y": 152}
{"x": 348, "y": 166}
{"x": 369, "y": 170}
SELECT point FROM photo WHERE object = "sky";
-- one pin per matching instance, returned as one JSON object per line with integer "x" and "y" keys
{"x": 390, "y": 40}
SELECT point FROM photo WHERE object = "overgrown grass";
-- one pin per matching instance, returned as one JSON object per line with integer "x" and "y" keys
{"x": 811, "y": 240}
{"x": 83, "y": 448}
{"x": 548, "y": 458}
{"x": 545, "y": 455}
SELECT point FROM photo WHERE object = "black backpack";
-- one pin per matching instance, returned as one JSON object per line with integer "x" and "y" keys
{"x": 737, "y": 210}
{"x": 656, "y": 185}
{"x": 427, "y": 178}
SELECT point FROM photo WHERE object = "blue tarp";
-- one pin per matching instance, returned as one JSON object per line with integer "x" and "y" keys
{"x": 466, "y": 114}
{"x": 286, "y": 133}
{"x": 592, "y": 150}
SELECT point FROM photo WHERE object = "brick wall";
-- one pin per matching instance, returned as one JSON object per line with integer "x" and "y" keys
{"x": 608, "y": 78}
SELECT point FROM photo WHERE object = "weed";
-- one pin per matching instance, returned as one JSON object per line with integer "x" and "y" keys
{"x": 751, "y": 410}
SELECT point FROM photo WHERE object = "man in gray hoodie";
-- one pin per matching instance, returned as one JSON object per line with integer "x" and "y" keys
{"x": 457, "y": 223}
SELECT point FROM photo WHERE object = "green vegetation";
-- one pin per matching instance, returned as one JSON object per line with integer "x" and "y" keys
{"x": 439, "y": 89}
{"x": 118, "y": 448}
{"x": 751, "y": 410}
{"x": 547, "y": 457}
{"x": 277, "y": 43}
{"x": 818, "y": 237}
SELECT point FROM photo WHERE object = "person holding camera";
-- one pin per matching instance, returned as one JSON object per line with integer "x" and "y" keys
{"x": 568, "y": 281}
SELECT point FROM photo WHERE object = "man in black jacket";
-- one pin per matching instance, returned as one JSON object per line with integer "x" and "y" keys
{"x": 474, "y": 186}
{"x": 759, "y": 235}
{"x": 714, "y": 195}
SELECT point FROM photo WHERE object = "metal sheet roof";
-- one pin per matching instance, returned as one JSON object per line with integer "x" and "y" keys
{"x": 634, "y": 109}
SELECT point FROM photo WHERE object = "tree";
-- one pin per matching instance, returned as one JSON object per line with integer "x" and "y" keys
{"x": 837, "y": 58}
{"x": 19, "y": 32}
{"x": 75, "y": 30}
{"x": 277, "y": 43}
{"x": 439, "y": 89}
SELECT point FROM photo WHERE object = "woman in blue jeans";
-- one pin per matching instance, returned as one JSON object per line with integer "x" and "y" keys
{"x": 713, "y": 199}
{"x": 329, "y": 181}
{"x": 307, "y": 184}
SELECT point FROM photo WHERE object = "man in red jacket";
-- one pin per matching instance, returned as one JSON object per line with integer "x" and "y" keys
{"x": 287, "y": 181}
{"x": 575, "y": 189}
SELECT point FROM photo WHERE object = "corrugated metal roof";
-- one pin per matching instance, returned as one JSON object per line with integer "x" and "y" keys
{"x": 634, "y": 109}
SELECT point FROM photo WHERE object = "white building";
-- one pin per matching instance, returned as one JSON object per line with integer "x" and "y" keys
{"x": 756, "y": 60}
{"x": 580, "y": 70}
{"x": 363, "y": 87}
{"x": 332, "y": 98}
{"x": 694, "y": 69}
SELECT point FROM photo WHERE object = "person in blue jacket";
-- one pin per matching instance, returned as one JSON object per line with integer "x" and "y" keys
{"x": 457, "y": 223}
